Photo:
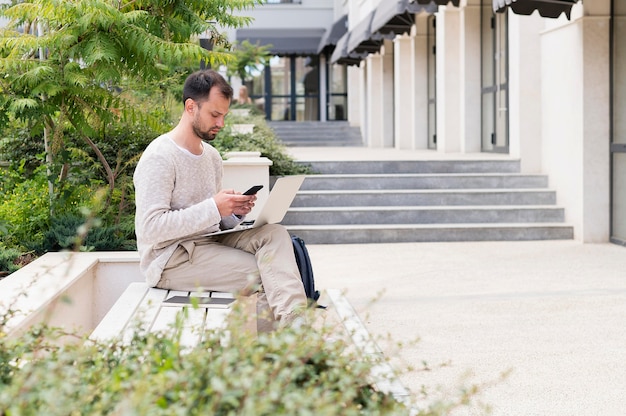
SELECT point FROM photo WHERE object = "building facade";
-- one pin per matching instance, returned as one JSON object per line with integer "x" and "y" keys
{"x": 543, "y": 81}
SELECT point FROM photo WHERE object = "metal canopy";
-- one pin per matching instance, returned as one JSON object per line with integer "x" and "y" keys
{"x": 546, "y": 8}
{"x": 341, "y": 55}
{"x": 439, "y": 2}
{"x": 390, "y": 18}
{"x": 360, "y": 40}
{"x": 397, "y": 17}
{"x": 333, "y": 34}
{"x": 284, "y": 41}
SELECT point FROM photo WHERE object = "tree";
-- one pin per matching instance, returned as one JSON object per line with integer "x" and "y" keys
{"x": 246, "y": 59}
{"x": 64, "y": 63}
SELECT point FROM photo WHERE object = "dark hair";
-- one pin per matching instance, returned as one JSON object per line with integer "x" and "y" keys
{"x": 198, "y": 85}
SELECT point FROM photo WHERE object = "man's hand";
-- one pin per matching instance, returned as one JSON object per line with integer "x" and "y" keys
{"x": 230, "y": 202}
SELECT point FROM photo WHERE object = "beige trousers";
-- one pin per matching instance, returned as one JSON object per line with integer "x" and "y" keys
{"x": 256, "y": 260}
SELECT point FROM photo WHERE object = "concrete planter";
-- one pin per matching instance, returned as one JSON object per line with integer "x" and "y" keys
{"x": 240, "y": 112}
{"x": 76, "y": 290}
{"x": 245, "y": 169}
{"x": 243, "y": 128}
{"x": 69, "y": 290}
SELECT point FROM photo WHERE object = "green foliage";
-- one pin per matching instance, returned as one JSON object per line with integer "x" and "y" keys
{"x": 263, "y": 139}
{"x": 24, "y": 208}
{"x": 247, "y": 58}
{"x": 70, "y": 232}
{"x": 8, "y": 257}
{"x": 65, "y": 65}
{"x": 289, "y": 372}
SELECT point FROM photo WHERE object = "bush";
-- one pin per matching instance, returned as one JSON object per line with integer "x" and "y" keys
{"x": 263, "y": 139}
{"x": 8, "y": 258}
{"x": 25, "y": 208}
{"x": 289, "y": 372}
{"x": 70, "y": 232}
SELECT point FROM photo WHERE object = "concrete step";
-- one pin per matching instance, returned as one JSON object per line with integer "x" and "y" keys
{"x": 385, "y": 201}
{"x": 423, "y": 215}
{"x": 403, "y": 233}
{"x": 316, "y": 133}
{"x": 372, "y": 167}
{"x": 423, "y": 181}
{"x": 428, "y": 197}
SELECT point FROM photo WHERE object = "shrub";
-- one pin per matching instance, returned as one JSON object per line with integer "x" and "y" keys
{"x": 263, "y": 139}
{"x": 8, "y": 258}
{"x": 25, "y": 208}
{"x": 71, "y": 232}
{"x": 292, "y": 371}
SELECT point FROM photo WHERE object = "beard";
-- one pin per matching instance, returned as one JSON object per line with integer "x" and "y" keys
{"x": 206, "y": 135}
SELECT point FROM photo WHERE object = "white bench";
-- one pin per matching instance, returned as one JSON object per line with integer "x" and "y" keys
{"x": 144, "y": 306}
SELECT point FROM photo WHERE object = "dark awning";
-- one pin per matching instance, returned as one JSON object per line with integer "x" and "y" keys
{"x": 342, "y": 56}
{"x": 397, "y": 17}
{"x": 360, "y": 40}
{"x": 333, "y": 34}
{"x": 546, "y": 8}
{"x": 439, "y": 2}
{"x": 284, "y": 41}
{"x": 389, "y": 19}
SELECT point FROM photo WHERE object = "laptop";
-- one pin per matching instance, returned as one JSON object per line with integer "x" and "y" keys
{"x": 278, "y": 202}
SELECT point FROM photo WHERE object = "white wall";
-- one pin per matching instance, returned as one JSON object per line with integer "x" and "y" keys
{"x": 525, "y": 84}
{"x": 449, "y": 74}
{"x": 309, "y": 14}
{"x": 470, "y": 89}
{"x": 404, "y": 92}
{"x": 575, "y": 128}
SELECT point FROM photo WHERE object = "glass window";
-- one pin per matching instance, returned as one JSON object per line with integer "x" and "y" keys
{"x": 431, "y": 39}
{"x": 619, "y": 72}
{"x": 307, "y": 89}
{"x": 338, "y": 92}
{"x": 618, "y": 147}
{"x": 494, "y": 65}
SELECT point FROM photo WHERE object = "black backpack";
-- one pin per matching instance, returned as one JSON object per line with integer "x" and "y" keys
{"x": 306, "y": 270}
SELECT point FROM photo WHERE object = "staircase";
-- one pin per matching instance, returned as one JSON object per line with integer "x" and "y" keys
{"x": 315, "y": 133}
{"x": 418, "y": 201}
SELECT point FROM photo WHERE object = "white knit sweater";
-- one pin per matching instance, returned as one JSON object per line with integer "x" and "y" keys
{"x": 173, "y": 197}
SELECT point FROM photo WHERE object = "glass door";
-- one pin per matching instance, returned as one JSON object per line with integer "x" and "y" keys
{"x": 292, "y": 88}
{"x": 495, "y": 95}
{"x": 618, "y": 141}
{"x": 432, "y": 82}
{"x": 337, "y": 100}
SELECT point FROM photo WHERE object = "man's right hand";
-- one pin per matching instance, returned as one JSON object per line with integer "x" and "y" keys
{"x": 230, "y": 202}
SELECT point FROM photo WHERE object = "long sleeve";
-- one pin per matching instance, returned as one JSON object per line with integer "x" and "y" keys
{"x": 174, "y": 200}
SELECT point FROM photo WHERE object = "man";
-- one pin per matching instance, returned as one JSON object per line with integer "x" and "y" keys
{"x": 179, "y": 201}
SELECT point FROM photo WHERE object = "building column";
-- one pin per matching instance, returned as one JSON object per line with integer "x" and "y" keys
{"x": 470, "y": 77}
{"x": 387, "y": 52}
{"x": 596, "y": 130}
{"x": 355, "y": 103}
{"x": 525, "y": 91}
{"x": 449, "y": 73}
{"x": 374, "y": 101}
{"x": 323, "y": 101}
{"x": 404, "y": 92}
{"x": 576, "y": 122}
{"x": 420, "y": 83}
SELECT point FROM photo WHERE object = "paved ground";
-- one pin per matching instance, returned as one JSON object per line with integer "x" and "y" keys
{"x": 551, "y": 315}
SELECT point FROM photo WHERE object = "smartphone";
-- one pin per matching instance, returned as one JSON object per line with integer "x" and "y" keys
{"x": 253, "y": 190}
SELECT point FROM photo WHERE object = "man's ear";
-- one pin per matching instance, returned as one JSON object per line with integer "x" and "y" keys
{"x": 190, "y": 106}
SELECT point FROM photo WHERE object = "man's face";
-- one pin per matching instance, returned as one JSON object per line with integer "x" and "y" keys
{"x": 209, "y": 115}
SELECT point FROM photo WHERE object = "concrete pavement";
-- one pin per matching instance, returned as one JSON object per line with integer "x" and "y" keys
{"x": 550, "y": 315}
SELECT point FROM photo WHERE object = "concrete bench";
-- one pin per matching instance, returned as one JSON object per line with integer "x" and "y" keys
{"x": 145, "y": 307}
